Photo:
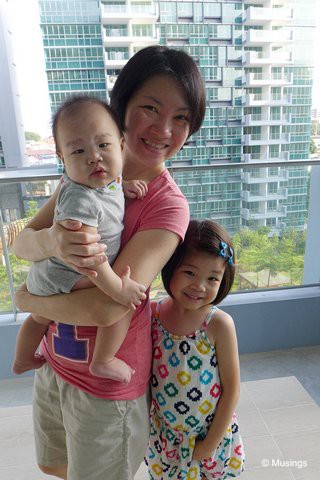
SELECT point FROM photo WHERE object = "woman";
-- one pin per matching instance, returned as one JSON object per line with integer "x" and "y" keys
{"x": 99, "y": 429}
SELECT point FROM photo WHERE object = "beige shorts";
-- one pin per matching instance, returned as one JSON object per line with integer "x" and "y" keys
{"x": 98, "y": 439}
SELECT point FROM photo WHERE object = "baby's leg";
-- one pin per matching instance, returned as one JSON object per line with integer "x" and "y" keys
{"x": 108, "y": 341}
{"x": 28, "y": 340}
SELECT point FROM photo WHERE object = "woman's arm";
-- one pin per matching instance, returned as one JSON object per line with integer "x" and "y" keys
{"x": 146, "y": 253}
{"x": 41, "y": 239}
{"x": 228, "y": 360}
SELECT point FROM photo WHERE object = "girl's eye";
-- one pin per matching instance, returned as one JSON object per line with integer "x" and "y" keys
{"x": 189, "y": 273}
{"x": 212, "y": 279}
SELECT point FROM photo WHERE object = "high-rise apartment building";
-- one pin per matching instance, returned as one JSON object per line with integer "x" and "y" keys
{"x": 73, "y": 48}
{"x": 256, "y": 60}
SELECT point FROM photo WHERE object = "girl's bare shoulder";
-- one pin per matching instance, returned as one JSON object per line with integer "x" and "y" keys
{"x": 221, "y": 324}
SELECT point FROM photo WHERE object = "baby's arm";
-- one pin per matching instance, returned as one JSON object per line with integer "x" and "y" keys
{"x": 221, "y": 332}
{"x": 122, "y": 288}
{"x": 134, "y": 188}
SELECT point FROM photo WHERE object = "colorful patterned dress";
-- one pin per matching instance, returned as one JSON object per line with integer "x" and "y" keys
{"x": 185, "y": 391}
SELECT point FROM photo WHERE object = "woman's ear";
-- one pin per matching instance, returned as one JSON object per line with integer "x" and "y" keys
{"x": 122, "y": 143}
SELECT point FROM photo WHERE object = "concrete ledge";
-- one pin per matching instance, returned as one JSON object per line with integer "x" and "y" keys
{"x": 265, "y": 321}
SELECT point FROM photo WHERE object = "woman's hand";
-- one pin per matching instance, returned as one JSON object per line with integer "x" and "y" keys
{"x": 80, "y": 250}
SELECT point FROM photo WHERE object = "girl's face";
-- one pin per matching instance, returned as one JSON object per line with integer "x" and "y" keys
{"x": 157, "y": 123}
{"x": 196, "y": 282}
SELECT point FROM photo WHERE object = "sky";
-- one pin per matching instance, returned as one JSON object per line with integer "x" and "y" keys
{"x": 29, "y": 59}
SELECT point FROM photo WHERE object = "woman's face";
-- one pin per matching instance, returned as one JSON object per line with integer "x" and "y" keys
{"x": 157, "y": 124}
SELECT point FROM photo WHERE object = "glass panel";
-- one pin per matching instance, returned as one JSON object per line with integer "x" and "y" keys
{"x": 264, "y": 209}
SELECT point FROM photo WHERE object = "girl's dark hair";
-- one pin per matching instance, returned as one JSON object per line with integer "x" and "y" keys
{"x": 159, "y": 60}
{"x": 203, "y": 236}
{"x": 72, "y": 103}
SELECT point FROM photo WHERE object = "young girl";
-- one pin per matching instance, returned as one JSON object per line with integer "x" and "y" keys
{"x": 196, "y": 378}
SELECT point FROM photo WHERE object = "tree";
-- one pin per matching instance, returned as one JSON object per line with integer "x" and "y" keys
{"x": 313, "y": 147}
{"x": 32, "y": 136}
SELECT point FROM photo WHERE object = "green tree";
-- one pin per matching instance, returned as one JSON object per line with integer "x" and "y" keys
{"x": 32, "y": 208}
{"x": 32, "y": 136}
{"x": 313, "y": 147}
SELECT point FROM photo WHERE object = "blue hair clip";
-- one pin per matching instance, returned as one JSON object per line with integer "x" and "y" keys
{"x": 226, "y": 252}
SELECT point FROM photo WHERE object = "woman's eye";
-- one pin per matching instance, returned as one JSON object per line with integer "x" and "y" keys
{"x": 182, "y": 118}
{"x": 150, "y": 107}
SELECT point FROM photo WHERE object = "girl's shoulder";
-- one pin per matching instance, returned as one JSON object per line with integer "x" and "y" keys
{"x": 221, "y": 323}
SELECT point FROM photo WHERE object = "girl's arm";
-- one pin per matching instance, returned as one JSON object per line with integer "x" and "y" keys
{"x": 146, "y": 253}
{"x": 224, "y": 337}
{"x": 40, "y": 239}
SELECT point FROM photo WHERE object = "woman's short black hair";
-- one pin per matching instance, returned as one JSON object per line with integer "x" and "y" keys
{"x": 75, "y": 101}
{"x": 203, "y": 236}
{"x": 160, "y": 60}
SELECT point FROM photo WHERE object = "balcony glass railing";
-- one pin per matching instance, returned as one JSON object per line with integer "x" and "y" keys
{"x": 269, "y": 230}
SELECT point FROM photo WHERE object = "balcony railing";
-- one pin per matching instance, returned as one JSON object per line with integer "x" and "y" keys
{"x": 214, "y": 191}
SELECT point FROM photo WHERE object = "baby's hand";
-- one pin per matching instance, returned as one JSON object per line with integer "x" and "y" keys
{"x": 201, "y": 452}
{"x": 132, "y": 293}
{"x": 134, "y": 188}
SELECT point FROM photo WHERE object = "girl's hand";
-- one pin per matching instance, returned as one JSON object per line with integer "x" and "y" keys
{"x": 80, "y": 250}
{"x": 201, "y": 451}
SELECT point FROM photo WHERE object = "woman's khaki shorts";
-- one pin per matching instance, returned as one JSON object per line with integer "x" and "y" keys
{"x": 98, "y": 439}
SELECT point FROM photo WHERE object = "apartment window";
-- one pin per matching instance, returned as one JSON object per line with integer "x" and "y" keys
{"x": 142, "y": 30}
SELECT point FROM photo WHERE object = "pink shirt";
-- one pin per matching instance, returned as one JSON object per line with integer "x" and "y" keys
{"x": 68, "y": 349}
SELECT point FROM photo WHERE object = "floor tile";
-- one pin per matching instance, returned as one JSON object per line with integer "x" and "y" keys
{"x": 309, "y": 472}
{"x": 245, "y": 403}
{"x": 293, "y": 419}
{"x": 259, "y": 448}
{"x": 302, "y": 446}
{"x": 251, "y": 424}
{"x": 25, "y": 472}
{"x": 267, "y": 473}
{"x": 278, "y": 392}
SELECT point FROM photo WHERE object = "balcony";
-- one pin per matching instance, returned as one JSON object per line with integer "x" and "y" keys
{"x": 265, "y": 119}
{"x": 258, "y": 139}
{"x": 117, "y": 38}
{"x": 256, "y": 38}
{"x": 257, "y": 59}
{"x": 260, "y": 100}
{"x": 278, "y": 342}
{"x": 142, "y": 14}
{"x": 252, "y": 158}
{"x": 259, "y": 79}
{"x": 282, "y": 194}
{"x": 263, "y": 16}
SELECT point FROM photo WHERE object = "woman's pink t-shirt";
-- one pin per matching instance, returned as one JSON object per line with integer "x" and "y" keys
{"x": 68, "y": 349}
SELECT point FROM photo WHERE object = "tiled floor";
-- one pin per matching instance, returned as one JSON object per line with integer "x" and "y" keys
{"x": 279, "y": 420}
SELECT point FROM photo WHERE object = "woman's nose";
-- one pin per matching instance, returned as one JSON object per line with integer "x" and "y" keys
{"x": 162, "y": 127}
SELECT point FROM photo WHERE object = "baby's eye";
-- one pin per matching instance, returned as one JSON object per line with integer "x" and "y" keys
{"x": 104, "y": 145}
{"x": 78, "y": 151}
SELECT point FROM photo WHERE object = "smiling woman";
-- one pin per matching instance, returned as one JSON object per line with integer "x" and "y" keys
{"x": 160, "y": 103}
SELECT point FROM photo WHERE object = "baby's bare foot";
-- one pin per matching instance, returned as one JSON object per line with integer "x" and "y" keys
{"x": 21, "y": 366}
{"x": 115, "y": 369}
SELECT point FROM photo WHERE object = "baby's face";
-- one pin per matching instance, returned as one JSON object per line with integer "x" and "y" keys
{"x": 90, "y": 145}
